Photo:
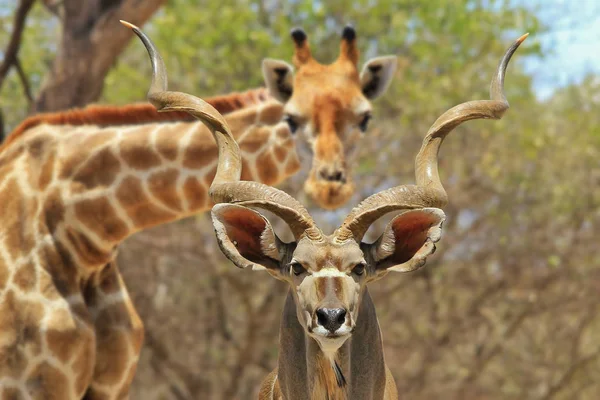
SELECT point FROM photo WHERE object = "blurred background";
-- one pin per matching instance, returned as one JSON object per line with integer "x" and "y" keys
{"x": 508, "y": 308}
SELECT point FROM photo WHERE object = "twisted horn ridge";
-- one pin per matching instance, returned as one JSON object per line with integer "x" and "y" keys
{"x": 429, "y": 191}
{"x": 226, "y": 187}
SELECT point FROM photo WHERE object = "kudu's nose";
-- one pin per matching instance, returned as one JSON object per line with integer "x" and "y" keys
{"x": 331, "y": 318}
{"x": 332, "y": 174}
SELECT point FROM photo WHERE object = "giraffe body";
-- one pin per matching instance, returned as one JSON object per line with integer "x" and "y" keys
{"x": 70, "y": 194}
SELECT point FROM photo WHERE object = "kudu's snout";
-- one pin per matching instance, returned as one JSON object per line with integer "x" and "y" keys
{"x": 331, "y": 318}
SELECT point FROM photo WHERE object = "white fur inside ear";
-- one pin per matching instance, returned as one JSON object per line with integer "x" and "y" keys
{"x": 387, "y": 242}
{"x": 376, "y": 75}
{"x": 227, "y": 246}
{"x": 419, "y": 259}
{"x": 279, "y": 78}
{"x": 268, "y": 243}
{"x": 387, "y": 245}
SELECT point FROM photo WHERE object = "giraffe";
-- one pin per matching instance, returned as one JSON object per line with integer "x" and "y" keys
{"x": 74, "y": 185}
{"x": 329, "y": 105}
{"x": 327, "y": 109}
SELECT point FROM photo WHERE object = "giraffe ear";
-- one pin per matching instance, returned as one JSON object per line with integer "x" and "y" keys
{"x": 246, "y": 237}
{"x": 377, "y": 75}
{"x": 279, "y": 78}
{"x": 408, "y": 239}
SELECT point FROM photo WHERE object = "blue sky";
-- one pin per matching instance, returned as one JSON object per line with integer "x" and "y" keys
{"x": 572, "y": 46}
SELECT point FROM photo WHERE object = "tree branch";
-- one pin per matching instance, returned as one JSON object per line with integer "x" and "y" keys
{"x": 1, "y": 126}
{"x": 24, "y": 83}
{"x": 92, "y": 39}
{"x": 10, "y": 55}
{"x": 54, "y": 7}
{"x": 566, "y": 378}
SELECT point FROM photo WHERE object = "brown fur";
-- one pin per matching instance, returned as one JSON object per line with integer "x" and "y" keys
{"x": 326, "y": 386}
{"x": 133, "y": 113}
{"x": 269, "y": 389}
{"x": 163, "y": 186}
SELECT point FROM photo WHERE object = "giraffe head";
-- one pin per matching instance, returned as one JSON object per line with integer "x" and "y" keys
{"x": 328, "y": 106}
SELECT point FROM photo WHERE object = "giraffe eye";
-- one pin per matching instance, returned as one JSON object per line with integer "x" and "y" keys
{"x": 359, "y": 269}
{"x": 291, "y": 123}
{"x": 364, "y": 123}
{"x": 297, "y": 268}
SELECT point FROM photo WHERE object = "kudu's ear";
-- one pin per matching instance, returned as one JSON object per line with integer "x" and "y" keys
{"x": 279, "y": 78}
{"x": 246, "y": 237}
{"x": 408, "y": 239}
{"x": 377, "y": 75}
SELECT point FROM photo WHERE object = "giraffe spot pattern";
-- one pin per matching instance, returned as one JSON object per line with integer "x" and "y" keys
{"x": 47, "y": 169}
{"x": 168, "y": 138}
{"x": 99, "y": 216}
{"x": 136, "y": 151}
{"x": 199, "y": 153}
{"x": 47, "y": 382}
{"x": 101, "y": 169}
{"x": 271, "y": 113}
{"x": 89, "y": 253}
{"x": 253, "y": 142}
{"x": 19, "y": 333}
{"x": 25, "y": 277}
{"x": 15, "y": 203}
{"x": 268, "y": 171}
{"x": 163, "y": 186}
{"x": 195, "y": 193}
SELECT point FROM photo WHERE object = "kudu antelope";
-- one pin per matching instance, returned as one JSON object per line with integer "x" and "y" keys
{"x": 330, "y": 342}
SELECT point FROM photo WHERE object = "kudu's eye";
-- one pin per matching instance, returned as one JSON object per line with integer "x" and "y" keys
{"x": 364, "y": 123}
{"x": 359, "y": 269}
{"x": 297, "y": 268}
{"x": 291, "y": 123}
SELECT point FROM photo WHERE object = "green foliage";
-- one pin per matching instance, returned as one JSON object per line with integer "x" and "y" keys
{"x": 218, "y": 47}
{"x": 39, "y": 44}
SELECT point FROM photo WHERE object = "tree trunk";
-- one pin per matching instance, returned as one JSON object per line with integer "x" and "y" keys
{"x": 92, "y": 39}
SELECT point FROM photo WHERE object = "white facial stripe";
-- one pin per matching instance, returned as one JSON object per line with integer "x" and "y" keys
{"x": 328, "y": 273}
{"x": 341, "y": 331}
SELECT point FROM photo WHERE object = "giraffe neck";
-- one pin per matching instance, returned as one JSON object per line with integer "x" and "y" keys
{"x": 92, "y": 187}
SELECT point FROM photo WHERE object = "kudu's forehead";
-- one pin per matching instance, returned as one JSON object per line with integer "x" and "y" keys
{"x": 328, "y": 284}
{"x": 326, "y": 257}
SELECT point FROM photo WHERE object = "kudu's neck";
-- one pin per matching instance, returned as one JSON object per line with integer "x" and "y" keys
{"x": 305, "y": 372}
